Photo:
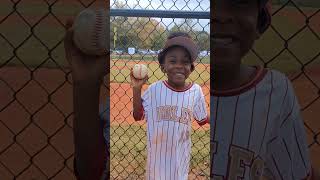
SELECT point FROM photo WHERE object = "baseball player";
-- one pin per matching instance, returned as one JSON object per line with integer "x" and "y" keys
{"x": 168, "y": 107}
{"x": 257, "y": 130}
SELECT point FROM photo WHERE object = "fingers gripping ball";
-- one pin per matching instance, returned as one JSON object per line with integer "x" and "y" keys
{"x": 140, "y": 71}
{"x": 90, "y": 31}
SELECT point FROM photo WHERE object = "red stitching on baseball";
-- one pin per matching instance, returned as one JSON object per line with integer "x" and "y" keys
{"x": 98, "y": 29}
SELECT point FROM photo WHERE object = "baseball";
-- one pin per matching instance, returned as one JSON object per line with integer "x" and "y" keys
{"x": 140, "y": 71}
{"x": 90, "y": 31}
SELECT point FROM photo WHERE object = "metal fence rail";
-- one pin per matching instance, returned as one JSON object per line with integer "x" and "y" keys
{"x": 160, "y": 13}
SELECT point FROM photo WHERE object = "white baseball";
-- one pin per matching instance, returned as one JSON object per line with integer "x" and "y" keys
{"x": 140, "y": 71}
{"x": 90, "y": 31}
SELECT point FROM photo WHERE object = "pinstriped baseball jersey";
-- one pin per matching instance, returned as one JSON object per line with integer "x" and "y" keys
{"x": 258, "y": 132}
{"x": 168, "y": 113}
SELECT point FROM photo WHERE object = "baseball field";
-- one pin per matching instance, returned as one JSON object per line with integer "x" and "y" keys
{"x": 36, "y": 91}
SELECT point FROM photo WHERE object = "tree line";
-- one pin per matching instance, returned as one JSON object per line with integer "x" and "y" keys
{"x": 149, "y": 33}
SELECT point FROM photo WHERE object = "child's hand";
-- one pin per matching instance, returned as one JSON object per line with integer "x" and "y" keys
{"x": 137, "y": 83}
{"x": 85, "y": 68}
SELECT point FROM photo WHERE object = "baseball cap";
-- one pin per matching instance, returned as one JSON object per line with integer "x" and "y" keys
{"x": 182, "y": 41}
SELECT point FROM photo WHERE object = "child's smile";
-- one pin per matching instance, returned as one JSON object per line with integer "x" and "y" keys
{"x": 177, "y": 66}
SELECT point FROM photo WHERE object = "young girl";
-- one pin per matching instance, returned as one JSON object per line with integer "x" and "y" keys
{"x": 169, "y": 107}
{"x": 257, "y": 130}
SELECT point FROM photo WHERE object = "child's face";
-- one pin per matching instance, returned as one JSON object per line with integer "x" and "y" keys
{"x": 234, "y": 30}
{"x": 177, "y": 66}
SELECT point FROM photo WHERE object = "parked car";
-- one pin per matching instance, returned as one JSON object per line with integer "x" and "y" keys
{"x": 204, "y": 53}
{"x": 147, "y": 52}
{"x": 142, "y": 51}
{"x": 117, "y": 51}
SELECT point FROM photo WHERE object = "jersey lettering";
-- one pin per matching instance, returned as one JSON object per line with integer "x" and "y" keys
{"x": 239, "y": 158}
{"x": 169, "y": 113}
{"x": 256, "y": 168}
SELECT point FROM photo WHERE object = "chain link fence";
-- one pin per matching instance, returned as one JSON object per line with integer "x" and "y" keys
{"x": 292, "y": 46}
{"x": 143, "y": 26}
{"x": 36, "y": 110}
{"x": 36, "y": 90}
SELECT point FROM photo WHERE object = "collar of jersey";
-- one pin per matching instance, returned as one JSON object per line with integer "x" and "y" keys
{"x": 259, "y": 75}
{"x": 177, "y": 90}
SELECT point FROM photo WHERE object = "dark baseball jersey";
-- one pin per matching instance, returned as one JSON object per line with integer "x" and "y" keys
{"x": 258, "y": 132}
{"x": 168, "y": 113}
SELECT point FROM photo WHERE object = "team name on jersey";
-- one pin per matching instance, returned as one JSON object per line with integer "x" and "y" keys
{"x": 169, "y": 113}
{"x": 239, "y": 159}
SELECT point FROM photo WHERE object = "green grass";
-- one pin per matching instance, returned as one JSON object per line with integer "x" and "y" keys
{"x": 128, "y": 151}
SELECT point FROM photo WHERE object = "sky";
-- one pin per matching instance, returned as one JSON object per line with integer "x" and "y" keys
{"x": 185, "y": 5}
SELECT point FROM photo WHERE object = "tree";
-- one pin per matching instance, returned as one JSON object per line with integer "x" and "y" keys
{"x": 203, "y": 40}
{"x": 148, "y": 33}
{"x": 201, "y": 37}
{"x": 185, "y": 25}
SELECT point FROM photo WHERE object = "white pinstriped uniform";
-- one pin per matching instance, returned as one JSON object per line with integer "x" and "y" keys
{"x": 266, "y": 135}
{"x": 168, "y": 113}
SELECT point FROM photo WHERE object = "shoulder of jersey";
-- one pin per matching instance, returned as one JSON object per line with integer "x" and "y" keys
{"x": 196, "y": 86}
{"x": 155, "y": 83}
{"x": 276, "y": 72}
{"x": 279, "y": 78}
